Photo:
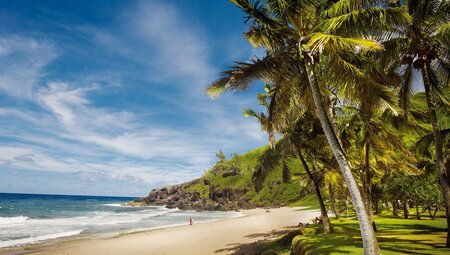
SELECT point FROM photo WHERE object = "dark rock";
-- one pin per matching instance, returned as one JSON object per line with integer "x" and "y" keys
{"x": 178, "y": 196}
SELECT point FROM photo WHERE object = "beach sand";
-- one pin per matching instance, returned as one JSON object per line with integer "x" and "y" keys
{"x": 237, "y": 235}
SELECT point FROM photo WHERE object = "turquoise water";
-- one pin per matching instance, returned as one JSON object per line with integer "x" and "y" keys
{"x": 33, "y": 218}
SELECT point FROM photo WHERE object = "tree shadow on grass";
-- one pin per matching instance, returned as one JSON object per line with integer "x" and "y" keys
{"x": 403, "y": 246}
{"x": 266, "y": 239}
{"x": 241, "y": 249}
{"x": 273, "y": 233}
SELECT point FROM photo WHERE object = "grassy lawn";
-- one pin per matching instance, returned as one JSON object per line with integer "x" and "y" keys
{"x": 396, "y": 236}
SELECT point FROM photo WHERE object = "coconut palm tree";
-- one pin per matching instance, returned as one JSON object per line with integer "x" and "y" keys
{"x": 369, "y": 98}
{"x": 297, "y": 143}
{"x": 424, "y": 46}
{"x": 289, "y": 146}
{"x": 298, "y": 39}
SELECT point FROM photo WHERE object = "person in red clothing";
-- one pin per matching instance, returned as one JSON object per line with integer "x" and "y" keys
{"x": 190, "y": 221}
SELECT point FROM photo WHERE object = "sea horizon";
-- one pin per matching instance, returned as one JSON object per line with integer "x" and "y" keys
{"x": 75, "y": 195}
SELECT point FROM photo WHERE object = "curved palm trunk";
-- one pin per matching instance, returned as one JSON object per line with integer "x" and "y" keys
{"x": 327, "y": 227}
{"x": 444, "y": 174}
{"x": 369, "y": 239}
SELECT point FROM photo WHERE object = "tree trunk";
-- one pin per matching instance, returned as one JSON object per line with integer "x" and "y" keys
{"x": 444, "y": 174}
{"x": 417, "y": 208}
{"x": 429, "y": 212}
{"x": 405, "y": 209}
{"x": 369, "y": 239}
{"x": 394, "y": 208}
{"x": 367, "y": 180}
{"x": 333, "y": 202}
{"x": 327, "y": 227}
{"x": 376, "y": 206}
{"x": 286, "y": 173}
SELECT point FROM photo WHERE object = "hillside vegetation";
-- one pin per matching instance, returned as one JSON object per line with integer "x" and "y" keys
{"x": 229, "y": 185}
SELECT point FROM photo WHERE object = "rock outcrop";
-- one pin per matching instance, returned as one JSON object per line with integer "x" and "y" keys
{"x": 179, "y": 196}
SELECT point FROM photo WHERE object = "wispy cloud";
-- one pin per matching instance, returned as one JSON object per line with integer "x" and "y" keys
{"x": 23, "y": 60}
{"x": 177, "y": 48}
{"x": 80, "y": 123}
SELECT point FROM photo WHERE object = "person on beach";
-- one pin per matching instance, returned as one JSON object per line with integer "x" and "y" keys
{"x": 190, "y": 221}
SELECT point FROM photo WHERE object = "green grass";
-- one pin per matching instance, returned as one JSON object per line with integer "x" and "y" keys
{"x": 396, "y": 236}
{"x": 310, "y": 201}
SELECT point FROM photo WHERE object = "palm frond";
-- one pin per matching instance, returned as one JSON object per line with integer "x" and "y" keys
{"x": 441, "y": 68}
{"x": 425, "y": 142}
{"x": 407, "y": 79}
{"x": 241, "y": 76}
{"x": 443, "y": 35}
{"x": 366, "y": 22}
{"x": 261, "y": 37}
{"x": 256, "y": 11}
{"x": 319, "y": 42}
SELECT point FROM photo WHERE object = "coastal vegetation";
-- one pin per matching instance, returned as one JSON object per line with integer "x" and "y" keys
{"x": 358, "y": 92}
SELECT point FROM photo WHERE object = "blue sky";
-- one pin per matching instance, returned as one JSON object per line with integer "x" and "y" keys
{"x": 107, "y": 97}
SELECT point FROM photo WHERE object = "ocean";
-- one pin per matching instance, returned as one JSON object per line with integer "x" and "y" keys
{"x": 32, "y": 218}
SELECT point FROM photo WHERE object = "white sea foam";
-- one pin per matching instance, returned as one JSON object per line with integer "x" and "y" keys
{"x": 20, "y": 230}
{"x": 6, "y": 221}
{"x": 113, "y": 205}
{"x": 32, "y": 240}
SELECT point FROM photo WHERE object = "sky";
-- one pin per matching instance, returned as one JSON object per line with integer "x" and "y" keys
{"x": 108, "y": 97}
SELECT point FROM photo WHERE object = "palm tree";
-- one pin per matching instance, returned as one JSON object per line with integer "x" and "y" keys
{"x": 292, "y": 139}
{"x": 293, "y": 144}
{"x": 369, "y": 98}
{"x": 297, "y": 41}
{"x": 424, "y": 46}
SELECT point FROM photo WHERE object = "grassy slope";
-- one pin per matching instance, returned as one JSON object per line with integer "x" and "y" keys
{"x": 274, "y": 192}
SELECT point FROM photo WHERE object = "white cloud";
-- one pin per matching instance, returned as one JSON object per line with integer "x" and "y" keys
{"x": 23, "y": 60}
{"x": 74, "y": 134}
{"x": 77, "y": 136}
{"x": 178, "y": 49}
{"x": 126, "y": 170}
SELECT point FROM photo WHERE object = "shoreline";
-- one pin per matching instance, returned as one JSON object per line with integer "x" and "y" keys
{"x": 175, "y": 239}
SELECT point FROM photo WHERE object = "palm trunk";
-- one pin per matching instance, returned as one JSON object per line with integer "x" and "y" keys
{"x": 417, "y": 208}
{"x": 367, "y": 193}
{"x": 394, "y": 208}
{"x": 444, "y": 174}
{"x": 286, "y": 173}
{"x": 375, "y": 205}
{"x": 327, "y": 227}
{"x": 369, "y": 239}
{"x": 405, "y": 209}
{"x": 333, "y": 202}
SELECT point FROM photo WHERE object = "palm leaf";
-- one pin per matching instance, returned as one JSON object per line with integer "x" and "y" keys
{"x": 319, "y": 42}
{"x": 241, "y": 76}
{"x": 365, "y": 22}
{"x": 425, "y": 142}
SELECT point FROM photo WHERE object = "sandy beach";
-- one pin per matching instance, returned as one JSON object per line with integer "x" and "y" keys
{"x": 237, "y": 235}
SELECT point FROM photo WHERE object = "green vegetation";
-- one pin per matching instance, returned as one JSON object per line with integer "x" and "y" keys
{"x": 396, "y": 236}
{"x": 338, "y": 81}
{"x": 309, "y": 201}
{"x": 275, "y": 192}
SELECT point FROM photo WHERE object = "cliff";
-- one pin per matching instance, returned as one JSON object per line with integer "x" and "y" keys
{"x": 228, "y": 185}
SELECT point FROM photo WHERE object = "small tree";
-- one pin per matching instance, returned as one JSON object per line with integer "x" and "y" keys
{"x": 221, "y": 156}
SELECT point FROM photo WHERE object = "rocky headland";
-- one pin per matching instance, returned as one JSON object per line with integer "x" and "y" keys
{"x": 180, "y": 196}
